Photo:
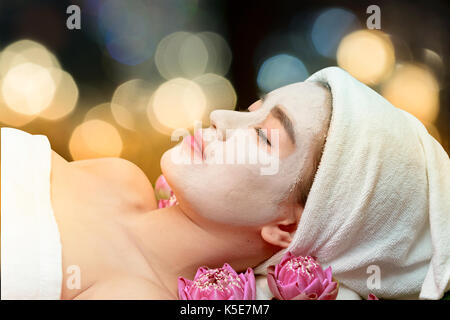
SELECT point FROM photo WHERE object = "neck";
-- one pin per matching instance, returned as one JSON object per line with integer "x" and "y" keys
{"x": 176, "y": 245}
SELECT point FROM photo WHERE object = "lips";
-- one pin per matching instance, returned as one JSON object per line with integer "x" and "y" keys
{"x": 195, "y": 143}
{"x": 198, "y": 140}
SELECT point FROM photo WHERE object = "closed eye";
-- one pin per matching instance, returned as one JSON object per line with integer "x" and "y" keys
{"x": 262, "y": 135}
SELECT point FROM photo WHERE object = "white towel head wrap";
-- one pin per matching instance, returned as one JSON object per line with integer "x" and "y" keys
{"x": 380, "y": 197}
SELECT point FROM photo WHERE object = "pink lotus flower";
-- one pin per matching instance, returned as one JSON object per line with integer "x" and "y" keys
{"x": 301, "y": 278}
{"x": 371, "y": 296}
{"x": 162, "y": 188}
{"x": 218, "y": 284}
{"x": 163, "y": 203}
{"x": 164, "y": 194}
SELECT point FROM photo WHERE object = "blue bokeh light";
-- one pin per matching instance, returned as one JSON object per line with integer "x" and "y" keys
{"x": 280, "y": 70}
{"x": 330, "y": 27}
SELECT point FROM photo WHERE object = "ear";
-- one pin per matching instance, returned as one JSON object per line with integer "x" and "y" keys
{"x": 279, "y": 233}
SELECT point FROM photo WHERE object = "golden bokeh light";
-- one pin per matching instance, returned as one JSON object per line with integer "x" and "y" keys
{"x": 102, "y": 111}
{"x": 33, "y": 84}
{"x": 24, "y": 51}
{"x": 129, "y": 102}
{"x": 178, "y": 103}
{"x": 28, "y": 88}
{"x": 181, "y": 54}
{"x": 166, "y": 55}
{"x": 193, "y": 56}
{"x": 219, "y": 52}
{"x": 368, "y": 55}
{"x": 65, "y": 98}
{"x": 414, "y": 89}
{"x": 219, "y": 93}
{"x": 95, "y": 139}
{"x": 12, "y": 118}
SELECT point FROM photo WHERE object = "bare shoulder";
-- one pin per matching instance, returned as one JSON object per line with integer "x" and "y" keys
{"x": 105, "y": 167}
{"x": 123, "y": 173}
{"x": 125, "y": 288}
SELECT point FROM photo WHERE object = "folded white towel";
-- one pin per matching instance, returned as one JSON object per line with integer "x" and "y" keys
{"x": 381, "y": 196}
{"x": 31, "y": 249}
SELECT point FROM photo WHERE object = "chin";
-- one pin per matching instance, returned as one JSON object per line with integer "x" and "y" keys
{"x": 166, "y": 164}
{"x": 172, "y": 172}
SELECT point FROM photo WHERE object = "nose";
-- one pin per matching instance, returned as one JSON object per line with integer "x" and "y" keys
{"x": 219, "y": 120}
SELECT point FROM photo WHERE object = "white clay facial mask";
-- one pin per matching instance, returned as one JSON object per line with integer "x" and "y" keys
{"x": 229, "y": 186}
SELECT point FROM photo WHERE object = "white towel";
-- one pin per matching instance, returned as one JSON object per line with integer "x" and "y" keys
{"x": 31, "y": 249}
{"x": 381, "y": 196}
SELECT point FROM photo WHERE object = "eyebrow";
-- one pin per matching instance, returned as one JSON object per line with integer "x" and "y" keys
{"x": 279, "y": 114}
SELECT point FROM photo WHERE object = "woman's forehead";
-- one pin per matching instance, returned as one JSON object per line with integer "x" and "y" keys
{"x": 296, "y": 95}
{"x": 305, "y": 103}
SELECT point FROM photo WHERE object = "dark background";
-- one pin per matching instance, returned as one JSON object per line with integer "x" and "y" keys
{"x": 244, "y": 24}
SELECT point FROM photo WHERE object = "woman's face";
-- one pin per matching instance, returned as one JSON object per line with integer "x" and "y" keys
{"x": 245, "y": 164}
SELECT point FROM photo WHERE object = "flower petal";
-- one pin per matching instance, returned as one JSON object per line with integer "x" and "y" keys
{"x": 273, "y": 286}
{"x": 251, "y": 281}
{"x": 302, "y": 281}
{"x": 249, "y": 293}
{"x": 181, "y": 289}
{"x": 314, "y": 287}
{"x": 287, "y": 256}
{"x": 330, "y": 292}
{"x": 289, "y": 291}
{"x": 200, "y": 271}
{"x": 227, "y": 267}
{"x": 162, "y": 188}
{"x": 237, "y": 292}
{"x": 305, "y": 296}
{"x": 329, "y": 274}
{"x": 371, "y": 296}
{"x": 196, "y": 293}
{"x": 215, "y": 294}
